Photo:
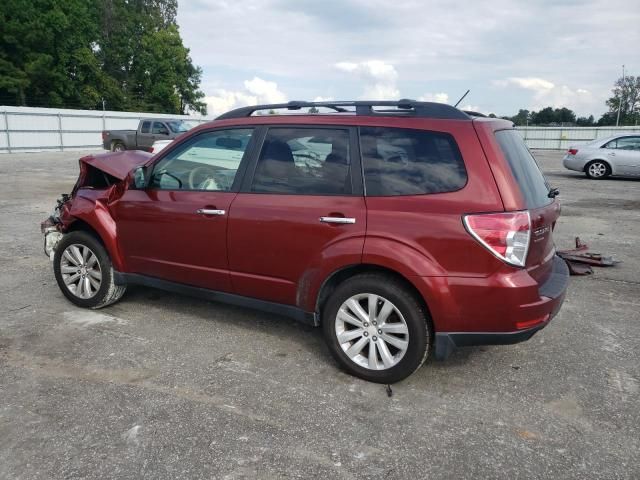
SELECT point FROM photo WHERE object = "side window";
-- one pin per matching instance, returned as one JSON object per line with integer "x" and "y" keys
{"x": 209, "y": 162}
{"x": 611, "y": 144}
{"x": 146, "y": 126}
{"x": 629, "y": 143}
{"x": 400, "y": 161}
{"x": 159, "y": 128}
{"x": 304, "y": 161}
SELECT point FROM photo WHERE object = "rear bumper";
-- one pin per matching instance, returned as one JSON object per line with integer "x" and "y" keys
{"x": 570, "y": 162}
{"x": 551, "y": 296}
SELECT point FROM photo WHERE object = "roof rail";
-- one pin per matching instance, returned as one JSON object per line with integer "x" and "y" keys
{"x": 362, "y": 107}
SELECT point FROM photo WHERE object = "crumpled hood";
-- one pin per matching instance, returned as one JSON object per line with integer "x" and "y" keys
{"x": 118, "y": 164}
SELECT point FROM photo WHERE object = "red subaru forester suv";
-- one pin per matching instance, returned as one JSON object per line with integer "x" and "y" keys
{"x": 399, "y": 227}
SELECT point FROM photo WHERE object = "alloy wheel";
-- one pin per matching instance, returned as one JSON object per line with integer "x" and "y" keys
{"x": 81, "y": 271}
{"x": 372, "y": 331}
{"x": 597, "y": 169}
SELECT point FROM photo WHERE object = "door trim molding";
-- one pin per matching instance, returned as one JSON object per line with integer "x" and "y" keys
{"x": 290, "y": 311}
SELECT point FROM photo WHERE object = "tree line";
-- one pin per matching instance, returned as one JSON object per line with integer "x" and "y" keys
{"x": 626, "y": 99}
{"x": 124, "y": 55}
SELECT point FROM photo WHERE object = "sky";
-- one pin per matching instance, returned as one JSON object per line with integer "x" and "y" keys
{"x": 511, "y": 54}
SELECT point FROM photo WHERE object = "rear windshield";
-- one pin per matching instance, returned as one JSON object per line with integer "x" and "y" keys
{"x": 525, "y": 169}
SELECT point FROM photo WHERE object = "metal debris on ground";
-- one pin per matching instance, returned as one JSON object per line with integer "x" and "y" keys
{"x": 580, "y": 261}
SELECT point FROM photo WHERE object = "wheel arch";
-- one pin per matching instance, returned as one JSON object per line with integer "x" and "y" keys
{"x": 94, "y": 217}
{"x": 603, "y": 160}
{"x": 338, "y": 276}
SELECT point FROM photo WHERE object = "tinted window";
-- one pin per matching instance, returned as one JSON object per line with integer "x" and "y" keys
{"x": 627, "y": 143}
{"x": 145, "y": 127}
{"x": 159, "y": 128}
{"x": 209, "y": 162}
{"x": 304, "y": 161}
{"x": 400, "y": 161}
{"x": 525, "y": 169}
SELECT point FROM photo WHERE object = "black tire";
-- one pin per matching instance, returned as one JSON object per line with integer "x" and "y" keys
{"x": 118, "y": 147}
{"x": 594, "y": 166}
{"x": 416, "y": 318}
{"x": 108, "y": 292}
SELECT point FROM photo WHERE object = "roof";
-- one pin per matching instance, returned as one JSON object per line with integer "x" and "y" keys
{"x": 399, "y": 108}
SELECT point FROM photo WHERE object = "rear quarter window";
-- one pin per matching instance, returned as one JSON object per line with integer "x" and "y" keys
{"x": 525, "y": 169}
{"x": 399, "y": 161}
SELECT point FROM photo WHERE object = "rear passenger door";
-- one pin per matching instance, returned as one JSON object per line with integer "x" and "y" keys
{"x": 300, "y": 215}
{"x": 627, "y": 155}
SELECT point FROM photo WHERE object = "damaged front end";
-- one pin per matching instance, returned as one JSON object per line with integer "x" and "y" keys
{"x": 103, "y": 179}
{"x": 51, "y": 227}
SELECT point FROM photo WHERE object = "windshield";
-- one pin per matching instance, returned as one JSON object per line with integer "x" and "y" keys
{"x": 178, "y": 126}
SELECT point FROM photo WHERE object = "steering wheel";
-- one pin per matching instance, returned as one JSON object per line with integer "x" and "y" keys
{"x": 206, "y": 181}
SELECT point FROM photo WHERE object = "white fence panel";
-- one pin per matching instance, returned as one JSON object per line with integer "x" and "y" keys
{"x": 34, "y": 129}
{"x": 561, "y": 138}
{"x": 24, "y": 129}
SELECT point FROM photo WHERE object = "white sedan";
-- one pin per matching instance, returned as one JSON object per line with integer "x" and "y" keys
{"x": 616, "y": 155}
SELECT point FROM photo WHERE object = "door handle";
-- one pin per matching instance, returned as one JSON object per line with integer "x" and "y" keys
{"x": 210, "y": 211}
{"x": 340, "y": 220}
{"x": 613, "y": 154}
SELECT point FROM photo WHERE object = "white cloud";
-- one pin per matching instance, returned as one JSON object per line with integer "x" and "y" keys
{"x": 323, "y": 99}
{"x": 547, "y": 93}
{"x": 256, "y": 91}
{"x": 472, "y": 108}
{"x": 435, "y": 97}
{"x": 379, "y": 78}
{"x": 530, "y": 83}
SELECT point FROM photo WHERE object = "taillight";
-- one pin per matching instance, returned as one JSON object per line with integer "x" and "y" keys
{"x": 506, "y": 235}
{"x": 150, "y": 149}
{"x": 104, "y": 135}
{"x": 573, "y": 151}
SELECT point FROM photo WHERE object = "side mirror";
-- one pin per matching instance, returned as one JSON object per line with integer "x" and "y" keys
{"x": 139, "y": 178}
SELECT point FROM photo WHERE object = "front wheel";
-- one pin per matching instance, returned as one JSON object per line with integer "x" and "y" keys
{"x": 597, "y": 169}
{"x": 376, "y": 329}
{"x": 84, "y": 273}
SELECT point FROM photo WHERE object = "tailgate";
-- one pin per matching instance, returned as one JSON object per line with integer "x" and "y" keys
{"x": 534, "y": 189}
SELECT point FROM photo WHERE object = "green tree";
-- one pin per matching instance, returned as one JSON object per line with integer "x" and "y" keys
{"x": 521, "y": 118}
{"x": 585, "y": 121}
{"x": 549, "y": 115}
{"x": 626, "y": 96}
{"x": 45, "y": 53}
{"x": 75, "y": 53}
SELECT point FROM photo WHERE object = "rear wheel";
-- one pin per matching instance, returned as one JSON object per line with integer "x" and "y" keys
{"x": 84, "y": 272}
{"x": 597, "y": 169}
{"x": 118, "y": 147}
{"x": 376, "y": 329}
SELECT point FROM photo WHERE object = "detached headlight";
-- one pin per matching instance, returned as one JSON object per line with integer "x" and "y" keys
{"x": 51, "y": 238}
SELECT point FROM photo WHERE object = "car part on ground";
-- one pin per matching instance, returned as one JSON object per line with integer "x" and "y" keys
{"x": 399, "y": 226}
{"x": 580, "y": 261}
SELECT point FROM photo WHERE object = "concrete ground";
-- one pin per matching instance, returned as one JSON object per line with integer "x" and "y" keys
{"x": 162, "y": 386}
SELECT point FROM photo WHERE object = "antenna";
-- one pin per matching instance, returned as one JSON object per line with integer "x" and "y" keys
{"x": 462, "y": 98}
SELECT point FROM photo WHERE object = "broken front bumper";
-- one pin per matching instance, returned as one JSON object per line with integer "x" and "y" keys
{"x": 52, "y": 237}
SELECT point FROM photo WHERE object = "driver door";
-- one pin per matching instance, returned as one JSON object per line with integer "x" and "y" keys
{"x": 176, "y": 228}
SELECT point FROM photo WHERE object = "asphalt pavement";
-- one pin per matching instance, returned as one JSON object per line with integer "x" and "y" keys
{"x": 161, "y": 386}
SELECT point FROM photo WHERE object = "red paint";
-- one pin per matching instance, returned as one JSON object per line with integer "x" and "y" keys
{"x": 274, "y": 247}
{"x": 280, "y": 251}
